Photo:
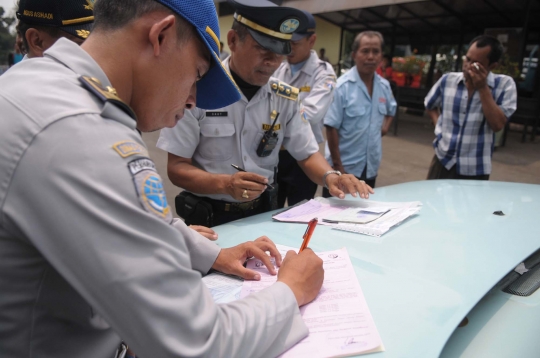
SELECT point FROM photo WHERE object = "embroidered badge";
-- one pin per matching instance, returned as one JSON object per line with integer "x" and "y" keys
{"x": 83, "y": 33}
{"x": 382, "y": 100}
{"x": 127, "y": 148}
{"x": 288, "y": 26}
{"x": 330, "y": 83}
{"x": 303, "y": 114}
{"x": 138, "y": 165}
{"x": 150, "y": 190}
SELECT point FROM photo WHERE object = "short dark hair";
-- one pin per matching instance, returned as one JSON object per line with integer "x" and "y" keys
{"x": 358, "y": 38}
{"x": 496, "y": 48}
{"x": 240, "y": 29}
{"x": 113, "y": 15}
{"x": 22, "y": 27}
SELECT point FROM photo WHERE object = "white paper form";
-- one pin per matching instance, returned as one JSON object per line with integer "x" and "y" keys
{"x": 224, "y": 288}
{"x": 339, "y": 320}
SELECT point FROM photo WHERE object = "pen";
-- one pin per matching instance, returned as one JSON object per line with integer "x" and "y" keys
{"x": 307, "y": 235}
{"x": 243, "y": 170}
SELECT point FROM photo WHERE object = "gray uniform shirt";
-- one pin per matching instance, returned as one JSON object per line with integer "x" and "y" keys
{"x": 316, "y": 81}
{"x": 89, "y": 254}
{"x": 218, "y": 138}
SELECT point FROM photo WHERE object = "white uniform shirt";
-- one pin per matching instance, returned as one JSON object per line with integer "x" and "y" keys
{"x": 218, "y": 138}
{"x": 88, "y": 255}
{"x": 316, "y": 81}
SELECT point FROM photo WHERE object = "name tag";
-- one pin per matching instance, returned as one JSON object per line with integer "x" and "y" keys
{"x": 305, "y": 89}
{"x": 217, "y": 114}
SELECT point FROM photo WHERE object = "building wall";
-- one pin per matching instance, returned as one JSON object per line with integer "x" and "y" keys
{"x": 328, "y": 36}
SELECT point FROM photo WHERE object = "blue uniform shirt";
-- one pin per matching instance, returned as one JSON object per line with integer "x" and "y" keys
{"x": 358, "y": 119}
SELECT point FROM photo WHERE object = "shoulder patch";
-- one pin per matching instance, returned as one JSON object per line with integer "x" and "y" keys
{"x": 108, "y": 94}
{"x": 149, "y": 188}
{"x": 127, "y": 148}
{"x": 284, "y": 90}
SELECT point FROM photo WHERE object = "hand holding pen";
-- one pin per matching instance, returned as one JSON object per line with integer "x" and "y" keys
{"x": 246, "y": 186}
{"x": 303, "y": 272}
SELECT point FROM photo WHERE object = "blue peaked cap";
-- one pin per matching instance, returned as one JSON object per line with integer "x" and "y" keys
{"x": 216, "y": 89}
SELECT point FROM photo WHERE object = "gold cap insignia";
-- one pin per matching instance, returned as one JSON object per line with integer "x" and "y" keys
{"x": 83, "y": 33}
{"x": 90, "y": 5}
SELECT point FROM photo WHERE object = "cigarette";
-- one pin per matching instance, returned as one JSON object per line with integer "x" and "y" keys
{"x": 476, "y": 66}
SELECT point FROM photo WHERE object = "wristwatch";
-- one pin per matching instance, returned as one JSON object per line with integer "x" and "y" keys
{"x": 327, "y": 174}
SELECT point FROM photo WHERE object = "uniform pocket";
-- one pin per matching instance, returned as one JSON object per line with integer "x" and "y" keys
{"x": 382, "y": 109}
{"x": 355, "y": 111}
{"x": 217, "y": 141}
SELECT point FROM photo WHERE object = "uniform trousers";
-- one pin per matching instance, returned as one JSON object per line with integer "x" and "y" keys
{"x": 439, "y": 171}
{"x": 294, "y": 184}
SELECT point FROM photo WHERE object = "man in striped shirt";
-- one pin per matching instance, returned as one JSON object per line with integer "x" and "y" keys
{"x": 467, "y": 108}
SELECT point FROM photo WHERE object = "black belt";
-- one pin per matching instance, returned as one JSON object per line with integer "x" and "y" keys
{"x": 221, "y": 205}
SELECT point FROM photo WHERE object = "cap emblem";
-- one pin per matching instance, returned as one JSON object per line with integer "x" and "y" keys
{"x": 90, "y": 5}
{"x": 289, "y": 26}
{"x": 83, "y": 33}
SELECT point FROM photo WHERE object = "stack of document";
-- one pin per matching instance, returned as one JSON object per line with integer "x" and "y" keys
{"x": 339, "y": 321}
{"x": 364, "y": 217}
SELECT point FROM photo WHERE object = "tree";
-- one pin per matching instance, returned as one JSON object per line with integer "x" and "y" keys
{"x": 7, "y": 40}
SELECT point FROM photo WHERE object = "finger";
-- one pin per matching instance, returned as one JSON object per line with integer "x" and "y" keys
{"x": 352, "y": 185}
{"x": 261, "y": 255}
{"x": 291, "y": 254}
{"x": 246, "y": 274}
{"x": 247, "y": 176}
{"x": 264, "y": 243}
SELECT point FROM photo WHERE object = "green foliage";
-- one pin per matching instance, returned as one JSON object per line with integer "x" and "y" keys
{"x": 7, "y": 40}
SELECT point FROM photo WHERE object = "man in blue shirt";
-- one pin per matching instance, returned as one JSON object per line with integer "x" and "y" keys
{"x": 473, "y": 105}
{"x": 360, "y": 114}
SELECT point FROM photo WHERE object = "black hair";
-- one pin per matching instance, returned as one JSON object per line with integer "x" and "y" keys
{"x": 496, "y": 48}
{"x": 22, "y": 27}
{"x": 113, "y": 14}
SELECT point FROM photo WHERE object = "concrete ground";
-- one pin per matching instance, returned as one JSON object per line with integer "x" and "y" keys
{"x": 406, "y": 157}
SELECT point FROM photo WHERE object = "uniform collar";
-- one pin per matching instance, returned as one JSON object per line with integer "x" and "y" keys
{"x": 76, "y": 59}
{"x": 309, "y": 67}
{"x": 265, "y": 88}
{"x": 354, "y": 76}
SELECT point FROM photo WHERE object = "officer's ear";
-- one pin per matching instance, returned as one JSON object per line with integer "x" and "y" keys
{"x": 312, "y": 39}
{"x": 163, "y": 33}
{"x": 36, "y": 42}
{"x": 232, "y": 39}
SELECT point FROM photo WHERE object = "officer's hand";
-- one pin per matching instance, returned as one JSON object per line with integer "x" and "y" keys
{"x": 246, "y": 186}
{"x": 231, "y": 260}
{"x": 340, "y": 168}
{"x": 347, "y": 184}
{"x": 478, "y": 75}
{"x": 303, "y": 273}
{"x": 205, "y": 231}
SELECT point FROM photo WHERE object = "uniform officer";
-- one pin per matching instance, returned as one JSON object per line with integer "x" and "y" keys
{"x": 316, "y": 81}
{"x": 43, "y": 22}
{"x": 249, "y": 133}
{"x": 89, "y": 252}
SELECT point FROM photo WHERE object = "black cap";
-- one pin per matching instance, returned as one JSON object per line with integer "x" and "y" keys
{"x": 72, "y": 16}
{"x": 270, "y": 25}
{"x": 308, "y": 30}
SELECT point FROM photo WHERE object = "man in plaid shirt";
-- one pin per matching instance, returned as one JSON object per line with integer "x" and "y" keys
{"x": 467, "y": 108}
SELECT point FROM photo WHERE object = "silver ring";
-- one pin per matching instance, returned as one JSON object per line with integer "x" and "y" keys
{"x": 245, "y": 194}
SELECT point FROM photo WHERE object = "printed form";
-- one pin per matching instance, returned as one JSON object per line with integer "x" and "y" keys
{"x": 339, "y": 320}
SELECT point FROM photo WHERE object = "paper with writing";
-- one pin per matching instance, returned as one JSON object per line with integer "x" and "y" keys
{"x": 339, "y": 320}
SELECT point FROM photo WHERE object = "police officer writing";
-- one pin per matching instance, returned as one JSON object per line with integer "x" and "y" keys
{"x": 89, "y": 252}
{"x": 316, "y": 81}
{"x": 248, "y": 133}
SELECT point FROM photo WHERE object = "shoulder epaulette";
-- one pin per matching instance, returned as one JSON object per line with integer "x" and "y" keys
{"x": 284, "y": 90}
{"x": 107, "y": 94}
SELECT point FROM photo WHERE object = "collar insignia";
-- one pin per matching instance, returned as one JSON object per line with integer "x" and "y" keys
{"x": 90, "y": 5}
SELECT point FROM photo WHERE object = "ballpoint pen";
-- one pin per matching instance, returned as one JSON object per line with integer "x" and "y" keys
{"x": 307, "y": 235}
{"x": 243, "y": 170}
